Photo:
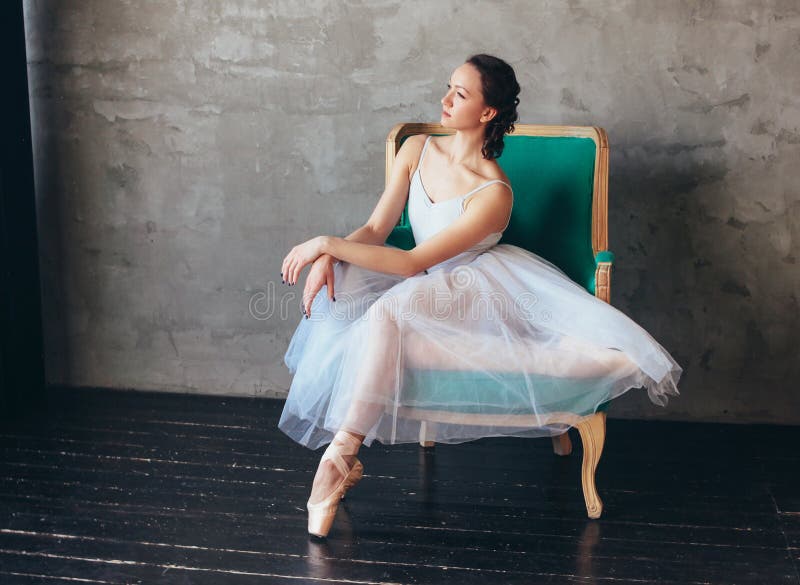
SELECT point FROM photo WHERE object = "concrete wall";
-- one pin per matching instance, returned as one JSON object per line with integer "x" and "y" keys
{"x": 182, "y": 147}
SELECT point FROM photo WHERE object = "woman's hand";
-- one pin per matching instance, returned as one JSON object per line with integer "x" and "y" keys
{"x": 298, "y": 257}
{"x": 321, "y": 273}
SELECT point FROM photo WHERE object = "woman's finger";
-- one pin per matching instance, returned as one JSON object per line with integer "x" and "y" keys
{"x": 298, "y": 268}
{"x": 290, "y": 266}
{"x": 286, "y": 267}
{"x": 296, "y": 271}
{"x": 329, "y": 284}
{"x": 309, "y": 300}
{"x": 304, "y": 296}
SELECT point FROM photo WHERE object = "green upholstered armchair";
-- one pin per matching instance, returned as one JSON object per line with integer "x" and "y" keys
{"x": 560, "y": 180}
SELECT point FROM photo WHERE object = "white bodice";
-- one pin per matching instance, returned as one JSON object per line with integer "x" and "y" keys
{"x": 428, "y": 218}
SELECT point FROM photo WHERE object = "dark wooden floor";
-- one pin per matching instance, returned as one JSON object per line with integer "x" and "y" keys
{"x": 130, "y": 487}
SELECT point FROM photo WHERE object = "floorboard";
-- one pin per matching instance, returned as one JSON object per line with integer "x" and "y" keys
{"x": 111, "y": 486}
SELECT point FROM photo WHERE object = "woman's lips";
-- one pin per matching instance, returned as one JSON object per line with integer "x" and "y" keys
{"x": 445, "y": 114}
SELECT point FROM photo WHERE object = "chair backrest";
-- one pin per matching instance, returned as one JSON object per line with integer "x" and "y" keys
{"x": 560, "y": 179}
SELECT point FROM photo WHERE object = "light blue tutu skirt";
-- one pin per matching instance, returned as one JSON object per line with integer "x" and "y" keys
{"x": 500, "y": 344}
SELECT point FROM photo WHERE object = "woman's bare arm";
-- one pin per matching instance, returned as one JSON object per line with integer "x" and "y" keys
{"x": 487, "y": 213}
{"x": 391, "y": 203}
{"x": 363, "y": 235}
{"x": 375, "y": 231}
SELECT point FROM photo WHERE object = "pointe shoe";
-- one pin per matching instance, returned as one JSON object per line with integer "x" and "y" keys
{"x": 321, "y": 514}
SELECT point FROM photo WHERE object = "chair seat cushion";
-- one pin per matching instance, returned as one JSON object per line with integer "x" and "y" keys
{"x": 473, "y": 392}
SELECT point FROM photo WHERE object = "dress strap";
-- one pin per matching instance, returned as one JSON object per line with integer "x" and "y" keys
{"x": 486, "y": 184}
{"x": 424, "y": 148}
{"x": 479, "y": 187}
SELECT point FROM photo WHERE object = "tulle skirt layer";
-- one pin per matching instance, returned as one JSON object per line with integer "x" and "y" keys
{"x": 502, "y": 343}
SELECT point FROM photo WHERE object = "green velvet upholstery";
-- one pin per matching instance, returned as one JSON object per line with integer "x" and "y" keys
{"x": 604, "y": 256}
{"x": 553, "y": 181}
{"x": 401, "y": 236}
{"x": 461, "y": 390}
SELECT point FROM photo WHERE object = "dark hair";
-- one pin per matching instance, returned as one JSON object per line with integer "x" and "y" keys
{"x": 500, "y": 89}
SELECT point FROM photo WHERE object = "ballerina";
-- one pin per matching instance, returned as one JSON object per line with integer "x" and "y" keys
{"x": 400, "y": 311}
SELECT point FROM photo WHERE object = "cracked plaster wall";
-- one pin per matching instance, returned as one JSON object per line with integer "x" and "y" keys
{"x": 182, "y": 147}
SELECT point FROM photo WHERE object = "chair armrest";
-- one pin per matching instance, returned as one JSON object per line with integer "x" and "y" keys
{"x": 604, "y": 262}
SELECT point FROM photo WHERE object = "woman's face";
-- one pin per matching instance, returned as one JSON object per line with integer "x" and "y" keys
{"x": 464, "y": 100}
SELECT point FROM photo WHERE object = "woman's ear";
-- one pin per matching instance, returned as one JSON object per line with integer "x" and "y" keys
{"x": 488, "y": 114}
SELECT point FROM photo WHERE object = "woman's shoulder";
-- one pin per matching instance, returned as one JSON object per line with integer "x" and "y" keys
{"x": 491, "y": 170}
{"x": 498, "y": 173}
{"x": 412, "y": 146}
{"x": 410, "y": 151}
{"x": 416, "y": 141}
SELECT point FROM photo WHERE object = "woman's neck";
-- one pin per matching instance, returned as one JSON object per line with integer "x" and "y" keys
{"x": 465, "y": 147}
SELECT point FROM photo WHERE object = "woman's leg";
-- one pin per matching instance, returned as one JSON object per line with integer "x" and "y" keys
{"x": 375, "y": 382}
{"x": 377, "y": 376}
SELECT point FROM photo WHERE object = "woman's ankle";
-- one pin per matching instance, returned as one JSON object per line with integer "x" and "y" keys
{"x": 351, "y": 436}
{"x": 356, "y": 436}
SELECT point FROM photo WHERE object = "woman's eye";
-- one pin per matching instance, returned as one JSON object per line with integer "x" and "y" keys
{"x": 457, "y": 93}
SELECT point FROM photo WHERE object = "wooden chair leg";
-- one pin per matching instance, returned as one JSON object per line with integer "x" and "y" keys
{"x": 425, "y": 431}
{"x": 593, "y": 435}
{"x": 562, "y": 445}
